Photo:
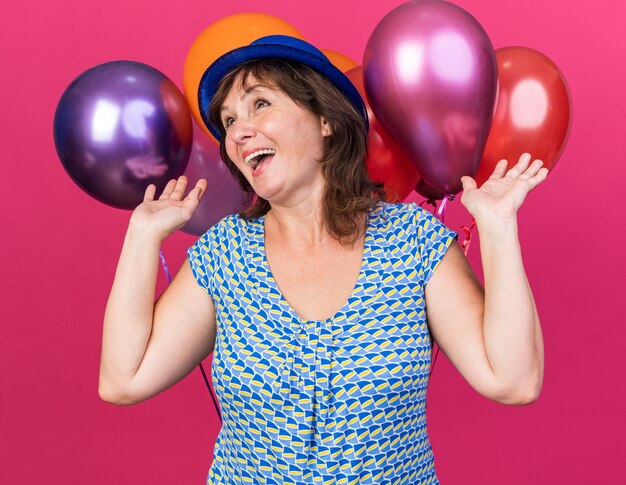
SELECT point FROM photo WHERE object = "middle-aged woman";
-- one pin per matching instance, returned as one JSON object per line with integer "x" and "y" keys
{"x": 321, "y": 300}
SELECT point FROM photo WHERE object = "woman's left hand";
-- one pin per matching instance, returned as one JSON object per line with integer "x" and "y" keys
{"x": 502, "y": 194}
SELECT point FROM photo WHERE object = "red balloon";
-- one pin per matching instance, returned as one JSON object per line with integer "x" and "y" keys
{"x": 385, "y": 161}
{"x": 533, "y": 111}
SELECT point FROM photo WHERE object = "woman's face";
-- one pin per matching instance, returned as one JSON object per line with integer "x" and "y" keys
{"x": 261, "y": 117}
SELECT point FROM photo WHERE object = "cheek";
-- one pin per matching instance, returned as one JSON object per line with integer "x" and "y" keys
{"x": 231, "y": 149}
{"x": 310, "y": 137}
{"x": 273, "y": 126}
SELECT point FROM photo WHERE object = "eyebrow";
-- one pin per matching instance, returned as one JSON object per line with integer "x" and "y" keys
{"x": 246, "y": 93}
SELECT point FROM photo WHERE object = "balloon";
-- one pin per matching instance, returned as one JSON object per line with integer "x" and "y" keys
{"x": 430, "y": 77}
{"x": 533, "y": 112}
{"x": 223, "y": 36}
{"x": 119, "y": 127}
{"x": 385, "y": 161}
{"x": 427, "y": 191}
{"x": 222, "y": 196}
{"x": 340, "y": 61}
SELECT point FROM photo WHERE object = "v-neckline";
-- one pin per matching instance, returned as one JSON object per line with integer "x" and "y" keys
{"x": 353, "y": 294}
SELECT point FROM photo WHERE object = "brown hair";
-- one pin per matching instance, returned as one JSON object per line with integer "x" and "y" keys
{"x": 349, "y": 191}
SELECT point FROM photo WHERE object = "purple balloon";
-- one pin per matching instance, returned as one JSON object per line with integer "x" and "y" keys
{"x": 119, "y": 127}
{"x": 427, "y": 191}
{"x": 223, "y": 195}
{"x": 431, "y": 76}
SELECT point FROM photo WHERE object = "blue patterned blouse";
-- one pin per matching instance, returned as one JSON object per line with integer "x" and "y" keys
{"x": 338, "y": 401}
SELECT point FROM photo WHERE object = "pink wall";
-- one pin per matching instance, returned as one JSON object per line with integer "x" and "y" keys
{"x": 60, "y": 248}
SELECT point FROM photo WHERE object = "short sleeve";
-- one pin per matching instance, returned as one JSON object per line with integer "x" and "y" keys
{"x": 433, "y": 240}
{"x": 201, "y": 258}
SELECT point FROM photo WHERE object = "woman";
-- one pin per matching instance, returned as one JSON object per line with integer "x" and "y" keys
{"x": 315, "y": 298}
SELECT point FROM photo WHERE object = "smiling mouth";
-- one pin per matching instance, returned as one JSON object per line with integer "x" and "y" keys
{"x": 255, "y": 159}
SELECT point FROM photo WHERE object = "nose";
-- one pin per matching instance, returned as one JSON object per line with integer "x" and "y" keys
{"x": 242, "y": 130}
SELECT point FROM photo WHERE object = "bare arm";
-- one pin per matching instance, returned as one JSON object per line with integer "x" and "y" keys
{"x": 147, "y": 347}
{"x": 492, "y": 335}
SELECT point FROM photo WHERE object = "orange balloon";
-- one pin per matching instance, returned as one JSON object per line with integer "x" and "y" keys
{"x": 385, "y": 161}
{"x": 533, "y": 111}
{"x": 339, "y": 60}
{"x": 220, "y": 37}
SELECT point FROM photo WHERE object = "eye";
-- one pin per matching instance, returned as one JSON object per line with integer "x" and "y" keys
{"x": 228, "y": 121}
{"x": 260, "y": 103}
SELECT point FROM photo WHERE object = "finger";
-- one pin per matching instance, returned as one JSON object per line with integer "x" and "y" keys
{"x": 201, "y": 185}
{"x": 521, "y": 165}
{"x": 197, "y": 192}
{"x": 149, "y": 194}
{"x": 192, "y": 201}
{"x": 500, "y": 168}
{"x": 179, "y": 190}
{"x": 533, "y": 169}
{"x": 468, "y": 183}
{"x": 541, "y": 175}
{"x": 537, "y": 179}
{"x": 167, "y": 191}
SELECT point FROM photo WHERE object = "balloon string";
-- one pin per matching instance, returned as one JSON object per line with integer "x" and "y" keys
{"x": 429, "y": 201}
{"x": 164, "y": 264}
{"x": 439, "y": 214}
{"x": 206, "y": 380}
{"x": 432, "y": 366}
{"x": 468, "y": 236}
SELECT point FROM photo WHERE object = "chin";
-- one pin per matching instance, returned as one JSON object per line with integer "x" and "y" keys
{"x": 267, "y": 193}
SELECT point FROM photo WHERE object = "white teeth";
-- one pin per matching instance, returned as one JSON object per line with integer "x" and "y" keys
{"x": 249, "y": 158}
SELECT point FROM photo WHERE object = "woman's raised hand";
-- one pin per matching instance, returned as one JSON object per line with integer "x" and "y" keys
{"x": 171, "y": 210}
{"x": 503, "y": 193}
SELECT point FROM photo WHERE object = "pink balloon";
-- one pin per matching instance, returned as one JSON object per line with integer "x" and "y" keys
{"x": 431, "y": 77}
{"x": 223, "y": 195}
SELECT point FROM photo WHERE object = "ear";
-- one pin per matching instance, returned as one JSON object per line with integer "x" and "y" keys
{"x": 326, "y": 128}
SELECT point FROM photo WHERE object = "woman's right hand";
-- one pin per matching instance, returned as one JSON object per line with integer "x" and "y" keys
{"x": 170, "y": 211}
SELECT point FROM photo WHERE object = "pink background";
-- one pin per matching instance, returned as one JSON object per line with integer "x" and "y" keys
{"x": 60, "y": 249}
